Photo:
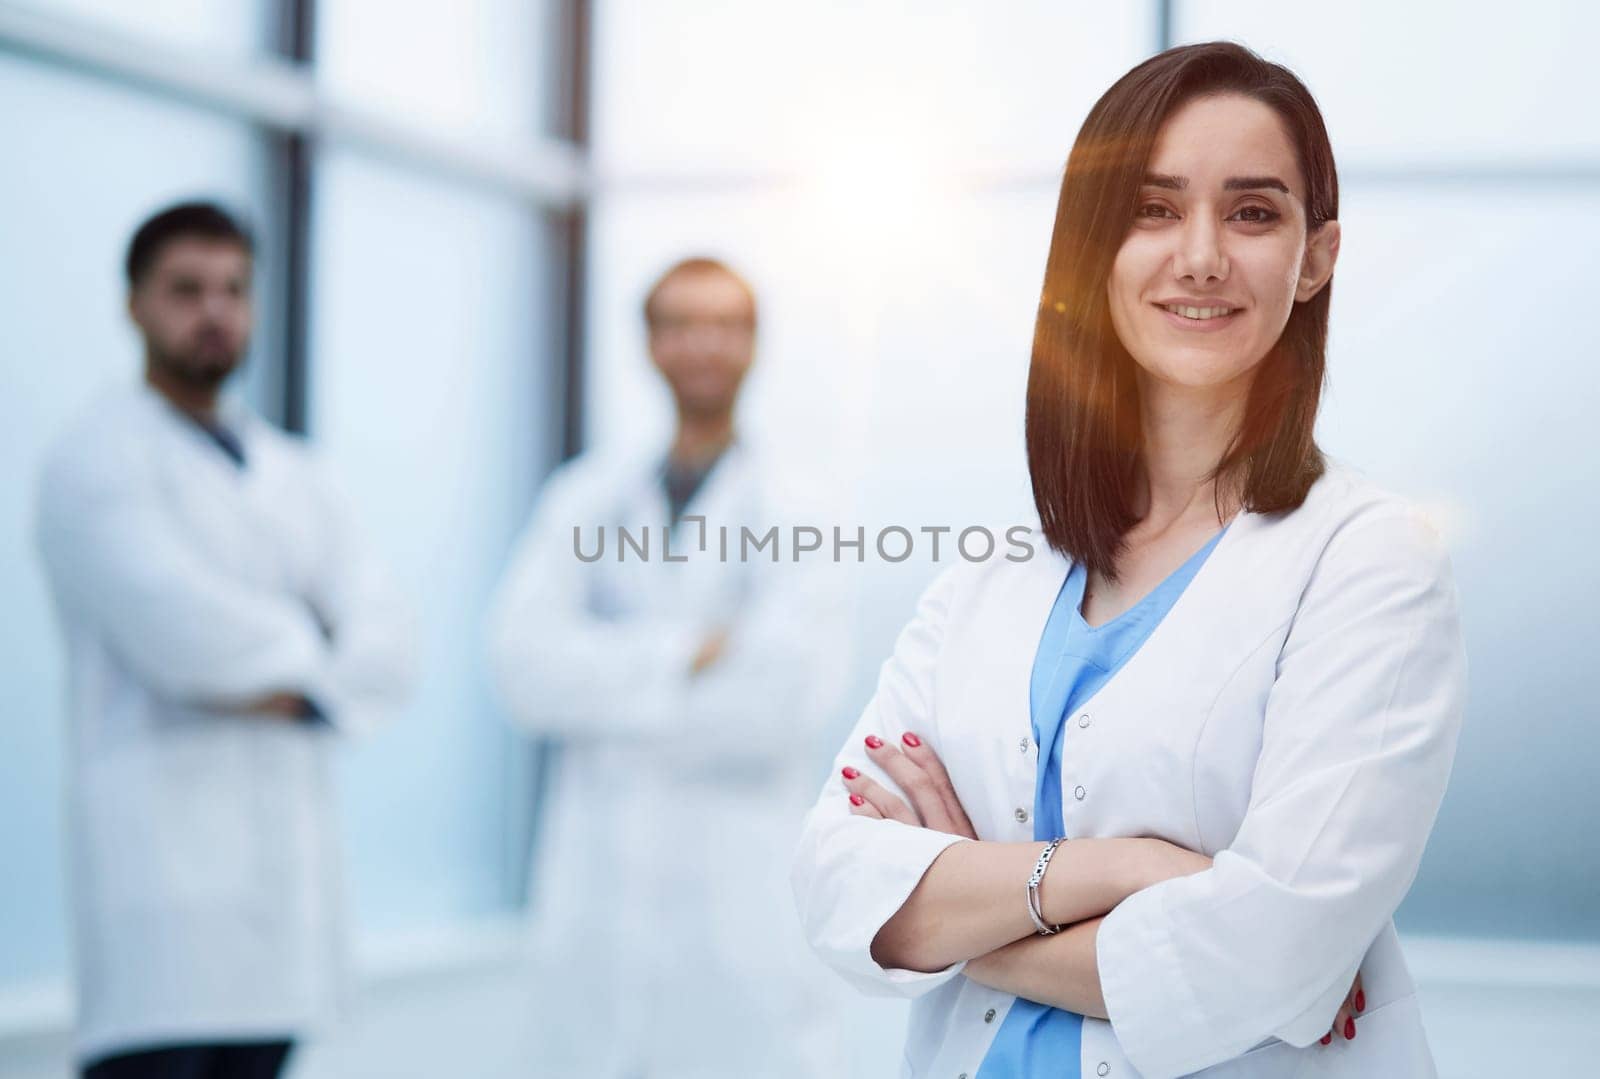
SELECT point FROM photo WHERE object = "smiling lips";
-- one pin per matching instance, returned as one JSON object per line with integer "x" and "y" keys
{"x": 1198, "y": 313}
{"x": 1196, "y": 318}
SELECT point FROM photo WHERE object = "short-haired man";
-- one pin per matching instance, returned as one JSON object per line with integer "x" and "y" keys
{"x": 222, "y": 627}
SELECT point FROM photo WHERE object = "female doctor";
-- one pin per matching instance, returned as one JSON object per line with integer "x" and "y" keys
{"x": 1230, "y": 686}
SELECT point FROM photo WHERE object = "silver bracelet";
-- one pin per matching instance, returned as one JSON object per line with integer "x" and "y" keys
{"x": 1035, "y": 911}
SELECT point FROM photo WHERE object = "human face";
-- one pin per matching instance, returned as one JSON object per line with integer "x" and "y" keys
{"x": 1219, "y": 230}
{"x": 702, "y": 340}
{"x": 193, "y": 308}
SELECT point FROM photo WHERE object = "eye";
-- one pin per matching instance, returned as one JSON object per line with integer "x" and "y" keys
{"x": 1257, "y": 215}
{"x": 1153, "y": 210}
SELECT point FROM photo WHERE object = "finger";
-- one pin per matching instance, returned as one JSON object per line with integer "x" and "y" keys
{"x": 860, "y": 807}
{"x": 880, "y": 797}
{"x": 922, "y": 755}
{"x": 917, "y": 784}
{"x": 1359, "y": 995}
{"x": 1344, "y": 1024}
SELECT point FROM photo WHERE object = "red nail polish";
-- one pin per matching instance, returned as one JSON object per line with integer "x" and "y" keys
{"x": 874, "y": 742}
{"x": 850, "y": 773}
{"x": 1349, "y": 1029}
{"x": 1361, "y": 1000}
{"x": 911, "y": 740}
{"x": 856, "y": 799}
{"x": 1328, "y": 1037}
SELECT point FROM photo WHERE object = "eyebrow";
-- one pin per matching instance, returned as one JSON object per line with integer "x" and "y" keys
{"x": 1235, "y": 183}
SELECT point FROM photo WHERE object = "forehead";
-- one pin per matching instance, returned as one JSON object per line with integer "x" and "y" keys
{"x": 706, "y": 290}
{"x": 1213, "y": 138}
{"x": 201, "y": 256}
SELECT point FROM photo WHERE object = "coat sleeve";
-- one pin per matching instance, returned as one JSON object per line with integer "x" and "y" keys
{"x": 851, "y": 874}
{"x": 1358, "y": 740}
{"x": 561, "y": 668}
{"x": 370, "y": 627}
{"x": 766, "y": 699}
{"x": 119, "y": 563}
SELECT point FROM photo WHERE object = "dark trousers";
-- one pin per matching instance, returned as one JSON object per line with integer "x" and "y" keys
{"x": 231, "y": 1060}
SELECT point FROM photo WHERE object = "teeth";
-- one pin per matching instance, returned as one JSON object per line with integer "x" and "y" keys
{"x": 1199, "y": 312}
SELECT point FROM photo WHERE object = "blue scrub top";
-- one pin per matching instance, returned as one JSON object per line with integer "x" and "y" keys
{"x": 1073, "y": 662}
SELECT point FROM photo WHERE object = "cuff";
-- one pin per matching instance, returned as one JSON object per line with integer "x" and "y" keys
{"x": 1153, "y": 1009}
{"x": 868, "y": 869}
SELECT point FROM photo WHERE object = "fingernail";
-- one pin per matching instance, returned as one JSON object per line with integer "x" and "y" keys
{"x": 911, "y": 740}
{"x": 856, "y": 799}
{"x": 874, "y": 742}
{"x": 850, "y": 773}
{"x": 1328, "y": 1037}
{"x": 1361, "y": 1000}
{"x": 1349, "y": 1029}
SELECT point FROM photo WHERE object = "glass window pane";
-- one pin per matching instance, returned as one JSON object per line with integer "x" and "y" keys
{"x": 699, "y": 85}
{"x": 62, "y": 298}
{"x": 239, "y": 26}
{"x": 484, "y": 66}
{"x": 428, "y": 399}
{"x": 1430, "y": 80}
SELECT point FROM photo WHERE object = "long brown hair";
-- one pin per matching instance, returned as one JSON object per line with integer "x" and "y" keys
{"x": 1083, "y": 433}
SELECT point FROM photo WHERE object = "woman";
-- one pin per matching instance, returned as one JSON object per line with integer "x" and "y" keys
{"x": 1233, "y": 680}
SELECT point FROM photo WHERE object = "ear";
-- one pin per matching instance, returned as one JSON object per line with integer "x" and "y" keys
{"x": 1316, "y": 267}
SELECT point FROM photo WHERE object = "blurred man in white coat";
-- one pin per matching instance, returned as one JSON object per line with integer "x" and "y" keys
{"x": 223, "y": 628}
{"x": 687, "y": 699}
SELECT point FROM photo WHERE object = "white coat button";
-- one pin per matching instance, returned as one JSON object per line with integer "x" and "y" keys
{"x": 1103, "y": 1069}
{"x": 1024, "y": 744}
{"x": 1083, "y": 720}
{"x": 1079, "y": 793}
{"x": 988, "y": 1016}
{"x": 1021, "y": 815}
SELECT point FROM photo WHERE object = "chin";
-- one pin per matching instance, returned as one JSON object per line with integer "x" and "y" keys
{"x": 707, "y": 404}
{"x": 1195, "y": 371}
{"x": 210, "y": 374}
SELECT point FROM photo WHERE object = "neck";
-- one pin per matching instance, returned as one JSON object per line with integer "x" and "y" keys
{"x": 197, "y": 401}
{"x": 1185, "y": 433}
{"x": 701, "y": 438}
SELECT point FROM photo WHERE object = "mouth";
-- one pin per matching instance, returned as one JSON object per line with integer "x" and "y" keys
{"x": 1202, "y": 319}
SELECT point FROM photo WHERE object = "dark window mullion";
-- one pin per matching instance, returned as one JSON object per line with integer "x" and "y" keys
{"x": 573, "y": 222}
{"x": 296, "y": 43}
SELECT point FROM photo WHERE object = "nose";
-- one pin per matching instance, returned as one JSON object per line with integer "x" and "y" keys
{"x": 1200, "y": 257}
{"x": 215, "y": 307}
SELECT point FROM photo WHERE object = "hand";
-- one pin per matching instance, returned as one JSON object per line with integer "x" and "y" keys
{"x": 279, "y": 706}
{"x": 1155, "y": 860}
{"x": 917, "y": 770}
{"x": 324, "y": 623}
{"x": 710, "y": 651}
{"x": 1344, "y": 1022}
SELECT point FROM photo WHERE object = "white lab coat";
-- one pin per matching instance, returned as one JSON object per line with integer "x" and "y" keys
{"x": 203, "y": 856}
{"x": 660, "y": 897}
{"x": 1294, "y": 716}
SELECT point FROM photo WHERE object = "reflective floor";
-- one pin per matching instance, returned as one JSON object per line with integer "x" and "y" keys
{"x": 479, "y": 1019}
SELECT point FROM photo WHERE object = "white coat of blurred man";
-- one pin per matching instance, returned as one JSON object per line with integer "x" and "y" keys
{"x": 685, "y": 696}
{"x": 224, "y": 629}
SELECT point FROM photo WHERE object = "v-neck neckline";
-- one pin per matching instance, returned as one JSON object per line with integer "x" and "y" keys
{"x": 1208, "y": 547}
